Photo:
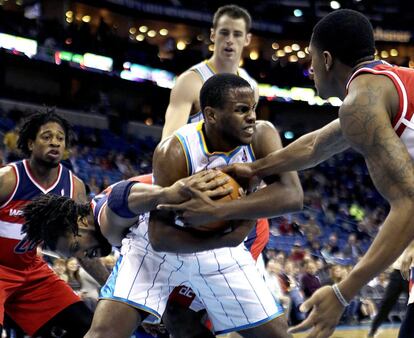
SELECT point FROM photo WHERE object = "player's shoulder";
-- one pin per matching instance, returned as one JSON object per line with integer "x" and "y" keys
{"x": 263, "y": 126}
{"x": 8, "y": 181}
{"x": 168, "y": 148}
{"x": 371, "y": 90}
{"x": 365, "y": 82}
{"x": 189, "y": 80}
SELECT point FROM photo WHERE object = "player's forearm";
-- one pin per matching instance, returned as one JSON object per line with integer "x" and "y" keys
{"x": 95, "y": 268}
{"x": 144, "y": 197}
{"x": 395, "y": 234}
{"x": 296, "y": 156}
{"x": 306, "y": 152}
{"x": 273, "y": 200}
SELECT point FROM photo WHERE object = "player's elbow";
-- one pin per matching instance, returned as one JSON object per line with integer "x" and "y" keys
{"x": 296, "y": 198}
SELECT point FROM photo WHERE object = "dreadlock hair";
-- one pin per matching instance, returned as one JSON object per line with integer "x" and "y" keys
{"x": 31, "y": 125}
{"x": 49, "y": 217}
{"x": 347, "y": 34}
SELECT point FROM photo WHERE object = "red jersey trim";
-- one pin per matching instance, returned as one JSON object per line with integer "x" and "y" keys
{"x": 16, "y": 173}
{"x": 262, "y": 231}
{"x": 37, "y": 184}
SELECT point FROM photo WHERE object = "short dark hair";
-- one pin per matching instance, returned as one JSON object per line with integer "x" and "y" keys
{"x": 234, "y": 12}
{"x": 347, "y": 35}
{"x": 49, "y": 217}
{"x": 215, "y": 90}
{"x": 31, "y": 126}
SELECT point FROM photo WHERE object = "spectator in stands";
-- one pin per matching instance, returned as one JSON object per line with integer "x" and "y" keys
{"x": 297, "y": 253}
{"x": 273, "y": 277}
{"x": 59, "y": 267}
{"x": 331, "y": 248}
{"x": 323, "y": 272}
{"x": 72, "y": 268}
{"x": 352, "y": 248}
{"x": 93, "y": 186}
{"x": 10, "y": 142}
{"x": 309, "y": 280}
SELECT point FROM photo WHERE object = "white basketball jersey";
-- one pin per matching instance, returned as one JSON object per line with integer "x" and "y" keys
{"x": 205, "y": 71}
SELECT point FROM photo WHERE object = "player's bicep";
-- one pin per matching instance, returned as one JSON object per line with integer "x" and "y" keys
{"x": 8, "y": 181}
{"x": 79, "y": 191}
{"x": 367, "y": 126}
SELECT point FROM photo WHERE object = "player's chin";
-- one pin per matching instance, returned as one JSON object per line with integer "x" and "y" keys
{"x": 245, "y": 140}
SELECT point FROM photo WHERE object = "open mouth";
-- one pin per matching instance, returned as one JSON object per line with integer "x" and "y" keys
{"x": 249, "y": 130}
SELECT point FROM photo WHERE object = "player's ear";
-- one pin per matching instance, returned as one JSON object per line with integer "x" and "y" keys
{"x": 30, "y": 145}
{"x": 248, "y": 39}
{"x": 328, "y": 60}
{"x": 212, "y": 35}
{"x": 209, "y": 114}
{"x": 82, "y": 222}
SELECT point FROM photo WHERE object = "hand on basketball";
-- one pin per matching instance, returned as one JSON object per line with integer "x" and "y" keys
{"x": 209, "y": 182}
{"x": 325, "y": 314}
{"x": 407, "y": 262}
{"x": 199, "y": 209}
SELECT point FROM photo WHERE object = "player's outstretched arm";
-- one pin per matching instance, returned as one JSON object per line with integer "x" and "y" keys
{"x": 169, "y": 166}
{"x": 366, "y": 123}
{"x": 182, "y": 98}
{"x": 306, "y": 152}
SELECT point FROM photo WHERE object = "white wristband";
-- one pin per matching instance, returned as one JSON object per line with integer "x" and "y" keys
{"x": 339, "y": 295}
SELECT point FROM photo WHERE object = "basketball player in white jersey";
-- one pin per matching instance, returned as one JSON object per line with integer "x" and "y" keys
{"x": 375, "y": 119}
{"x": 230, "y": 34}
{"x": 229, "y": 134}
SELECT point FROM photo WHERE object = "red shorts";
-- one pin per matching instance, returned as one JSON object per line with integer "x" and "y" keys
{"x": 34, "y": 296}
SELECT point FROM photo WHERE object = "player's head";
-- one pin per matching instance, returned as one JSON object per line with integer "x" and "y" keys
{"x": 44, "y": 136}
{"x": 230, "y": 32}
{"x": 228, "y": 105}
{"x": 342, "y": 38}
{"x": 64, "y": 226}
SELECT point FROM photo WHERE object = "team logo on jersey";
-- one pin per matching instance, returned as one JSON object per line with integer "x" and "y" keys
{"x": 186, "y": 292}
{"x": 15, "y": 212}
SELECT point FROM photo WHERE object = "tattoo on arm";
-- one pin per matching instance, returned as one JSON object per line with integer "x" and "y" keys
{"x": 367, "y": 126}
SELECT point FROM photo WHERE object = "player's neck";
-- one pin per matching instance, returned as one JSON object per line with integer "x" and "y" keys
{"x": 220, "y": 66}
{"x": 43, "y": 174}
{"x": 215, "y": 142}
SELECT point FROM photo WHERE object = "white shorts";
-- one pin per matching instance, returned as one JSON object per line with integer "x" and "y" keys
{"x": 225, "y": 280}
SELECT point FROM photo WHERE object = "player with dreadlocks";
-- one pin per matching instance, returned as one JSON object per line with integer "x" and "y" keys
{"x": 74, "y": 230}
{"x": 30, "y": 292}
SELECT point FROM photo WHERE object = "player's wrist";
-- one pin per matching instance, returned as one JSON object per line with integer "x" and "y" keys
{"x": 339, "y": 296}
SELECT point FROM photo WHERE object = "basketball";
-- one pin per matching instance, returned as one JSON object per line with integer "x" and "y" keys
{"x": 235, "y": 194}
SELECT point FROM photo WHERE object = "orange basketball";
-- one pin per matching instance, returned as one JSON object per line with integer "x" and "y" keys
{"x": 235, "y": 194}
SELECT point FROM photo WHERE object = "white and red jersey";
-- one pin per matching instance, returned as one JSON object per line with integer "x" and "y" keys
{"x": 403, "y": 123}
{"x": 15, "y": 251}
{"x": 403, "y": 79}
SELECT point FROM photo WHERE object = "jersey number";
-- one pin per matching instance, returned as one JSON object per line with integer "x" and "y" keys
{"x": 24, "y": 246}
